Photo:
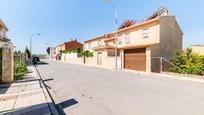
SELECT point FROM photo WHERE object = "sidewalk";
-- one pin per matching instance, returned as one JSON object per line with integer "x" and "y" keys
{"x": 26, "y": 97}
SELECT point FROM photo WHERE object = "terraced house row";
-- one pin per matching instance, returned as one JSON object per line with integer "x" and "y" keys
{"x": 139, "y": 45}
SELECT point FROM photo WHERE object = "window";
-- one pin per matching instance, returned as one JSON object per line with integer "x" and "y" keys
{"x": 89, "y": 46}
{"x": 120, "y": 40}
{"x": 112, "y": 53}
{"x": 127, "y": 38}
{"x": 99, "y": 42}
{"x": 145, "y": 33}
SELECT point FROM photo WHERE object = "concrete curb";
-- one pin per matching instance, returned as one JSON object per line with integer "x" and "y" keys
{"x": 170, "y": 76}
{"x": 50, "y": 102}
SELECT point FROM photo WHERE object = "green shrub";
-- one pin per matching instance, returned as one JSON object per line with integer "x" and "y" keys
{"x": 19, "y": 70}
{"x": 86, "y": 53}
{"x": 80, "y": 53}
{"x": 75, "y": 50}
{"x": 188, "y": 62}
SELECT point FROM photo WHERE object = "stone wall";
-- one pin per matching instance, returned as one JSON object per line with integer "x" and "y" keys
{"x": 7, "y": 65}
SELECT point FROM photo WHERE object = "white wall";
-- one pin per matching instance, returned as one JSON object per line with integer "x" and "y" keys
{"x": 91, "y": 61}
{"x": 72, "y": 58}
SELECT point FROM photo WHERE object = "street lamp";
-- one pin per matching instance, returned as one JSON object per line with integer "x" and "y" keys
{"x": 31, "y": 37}
{"x": 116, "y": 30}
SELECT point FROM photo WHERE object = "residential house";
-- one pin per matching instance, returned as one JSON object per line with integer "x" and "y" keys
{"x": 198, "y": 49}
{"x": 51, "y": 53}
{"x": 6, "y": 55}
{"x": 73, "y": 44}
{"x": 139, "y": 44}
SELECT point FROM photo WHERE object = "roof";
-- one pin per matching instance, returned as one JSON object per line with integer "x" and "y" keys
{"x": 125, "y": 29}
{"x": 99, "y": 37}
{"x": 197, "y": 45}
{"x": 68, "y": 43}
{"x": 72, "y": 41}
{"x": 60, "y": 45}
{"x": 4, "y": 26}
{"x": 157, "y": 13}
{"x": 127, "y": 23}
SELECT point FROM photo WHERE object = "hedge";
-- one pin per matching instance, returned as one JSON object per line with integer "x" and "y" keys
{"x": 188, "y": 62}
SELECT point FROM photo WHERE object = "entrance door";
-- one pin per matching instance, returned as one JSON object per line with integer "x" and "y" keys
{"x": 0, "y": 65}
{"x": 99, "y": 59}
{"x": 135, "y": 59}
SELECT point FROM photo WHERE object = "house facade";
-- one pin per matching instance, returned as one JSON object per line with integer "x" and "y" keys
{"x": 6, "y": 55}
{"x": 198, "y": 49}
{"x": 139, "y": 44}
{"x": 51, "y": 53}
{"x": 73, "y": 44}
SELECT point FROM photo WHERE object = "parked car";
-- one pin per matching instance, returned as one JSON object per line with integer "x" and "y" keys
{"x": 35, "y": 59}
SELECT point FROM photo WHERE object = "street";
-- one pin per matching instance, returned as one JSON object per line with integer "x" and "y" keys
{"x": 85, "y": 90}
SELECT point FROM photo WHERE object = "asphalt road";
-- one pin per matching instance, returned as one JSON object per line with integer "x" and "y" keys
{"x": 84, "y": 90}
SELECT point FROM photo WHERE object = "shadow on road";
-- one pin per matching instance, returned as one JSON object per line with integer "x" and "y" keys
{"x": 68, "y": 103}
{"x": 38, "y": 109}
{"x": 4, "y": 88}
{"x": 65, "y": 104}
{"x": 42, "y": 63}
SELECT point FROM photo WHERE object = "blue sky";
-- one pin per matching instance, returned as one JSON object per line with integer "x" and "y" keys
{"x": 61, "y": 20}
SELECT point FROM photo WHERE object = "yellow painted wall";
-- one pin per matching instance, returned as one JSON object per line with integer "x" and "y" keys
{"x": 136, "y": 36}
{"x": 199, "y": 49}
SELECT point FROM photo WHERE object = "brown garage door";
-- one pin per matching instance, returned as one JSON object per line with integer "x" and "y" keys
{"x": 135, "y": 59}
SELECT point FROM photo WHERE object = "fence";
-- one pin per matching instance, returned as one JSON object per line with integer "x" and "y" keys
{"x": 21, "y": 57}
{"x": 108, "y": 62}
{"x": 160, "y": 64}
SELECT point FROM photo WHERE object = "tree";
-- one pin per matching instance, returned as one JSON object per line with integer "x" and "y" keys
{"x": 48, "y": 50}
{"x": 16, "y": 56}
{"x": 27, "y": 51}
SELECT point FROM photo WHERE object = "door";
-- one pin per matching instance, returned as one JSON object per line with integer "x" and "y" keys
{"x": 135, "y": 59}
{"x": 99, "y": 59}
{"x": 0, "y": 65}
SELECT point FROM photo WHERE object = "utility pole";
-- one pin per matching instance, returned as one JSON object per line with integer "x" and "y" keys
{"x": 116, "y": 31}
{"x": 31, "y": 38}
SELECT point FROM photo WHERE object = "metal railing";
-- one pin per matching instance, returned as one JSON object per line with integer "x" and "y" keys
{"x": 161, "y": 66}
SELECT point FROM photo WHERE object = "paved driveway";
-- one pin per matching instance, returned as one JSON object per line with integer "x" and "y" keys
{"x": 83, "y": 90}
